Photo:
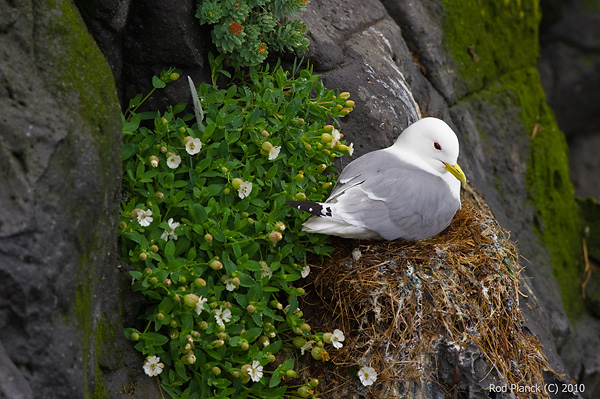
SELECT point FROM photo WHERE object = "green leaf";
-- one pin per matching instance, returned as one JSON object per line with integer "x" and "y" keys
{"x": 129, "y": 149}
{"x": 169, "y": 248}
{"x": 237, "y": 250}
{"x": 251, "y": 334}
{"x": 157, "y": 83}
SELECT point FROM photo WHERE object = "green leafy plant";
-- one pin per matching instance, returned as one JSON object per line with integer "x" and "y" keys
{"x": 217, "y": 253}
{"x": 246, "y": 30}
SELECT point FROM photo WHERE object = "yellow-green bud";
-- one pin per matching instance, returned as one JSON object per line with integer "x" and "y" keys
{"x": 326, "y": 138}
{"x": 154, "y": 161}
{"x": 299, "y": 342}
{"x": 163, "y": 149}
{"x": 308, "y": 147}
{"x": 200, "y": 282}
{"x": 203, "y": 325}
{"x": 313, "y": 383}
{"x": 236, "y": 183}
{"x": 147, "y": 271}
{"x": 153, "y": 281}
{"x": 173, "y": 324}
{"x": 346, "y": 111}
{"x": 300, "y": 196}
{"x": 300, "y": 291}
{"x": 191, "y": 300}
{"x": 122, "y": 225}
{"x": 326, "y": 185}
{"x": 267, "y": 146}
{"x": 226, "y": 190}
{"x": 328, "y": 128}
{"x": 271, "y": 358}
{"x": 174, "y": 76}
{"x": 167, "y": 283}
{"x": 182, "y": 129}
{"x": 160, "y": 316}
{"x": 304, "y": 392}
{"x": 319, "y": 354}
{"x": 159, "y": 195}
{"x": 327, "y": 337}
{"x": 264, "y": 133}
{"x": 154, "y": 248}
{"x": 208, "y": 237}
{"x": 190, "y": 358}
{"x": 344, "y": 95}
{"x": 216, "y": 265}
{"x": 305, "y": 327}
{"x": 218, "y": 343}
{"x": 134, "y": 336}
{"x": 321, "y": 168}
{"x": 290, "y": 373}
{"x": 143, "y": 256}
{"x": 350, "y": 104}
{"x": 164, "y": 120}
{"x": 216, "y": 371}
{"x": 245, "y": 346}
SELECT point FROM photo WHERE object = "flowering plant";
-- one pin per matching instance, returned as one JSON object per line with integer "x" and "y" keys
{"x": 245, "y": 30}
{"x": 215, "y": 248}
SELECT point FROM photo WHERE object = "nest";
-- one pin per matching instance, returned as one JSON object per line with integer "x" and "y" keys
{"x": 407, "y": 307}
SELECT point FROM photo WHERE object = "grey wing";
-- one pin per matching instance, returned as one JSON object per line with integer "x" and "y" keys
{"x": 393, "y": 198}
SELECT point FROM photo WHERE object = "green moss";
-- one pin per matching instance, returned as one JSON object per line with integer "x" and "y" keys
{"x": 490, "y": 38}
{"x": 495, "y": 47}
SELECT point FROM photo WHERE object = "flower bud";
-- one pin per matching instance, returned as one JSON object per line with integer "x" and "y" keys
{"x": 218, "y": 343}
{"x": 263, "y": 341}
{"x": 203, "y": 325}
{"x": 280, "y": 226}
{"x": 350, "y": 104}
{"x": 174, "y": 324}
{"x": 147, "y": 271}
{"x": 216, "y": 265}
{"x": 245, "y": 214}
{"x": 304, "y": 392}
{"x": 200, "y": 282}
{"x": 186, "y": 139}
{"x": 267, "y": 146}
{"x": 346, "y": 111}
{"x": 313, "y": 383}
{"x": 143, "y": 256}
{"x": 327, "y": 337}
{"x": 174, "y": 76}
{"x": 290, "y": 373}
{"x": 160, "y": 316}
{"x": 271, "y": 358}
{"x": 222, "y": 335}
{"x": 264, "y": 133}
{"x": 236, "y": 183}
{"x": 300, "y": 291}
{"x": 275, "y": 236}
{"x": 163, "y": 149}
{"x": 134, "y": 214}
{"x": 299, "y": 342}
{"x": 236, "y": 374}
{"x": 328, "y": 128}
{"x": 159, "y": 195}
{"x": 167, "y": 283}
{"x": 300, "y": 196}
{"x": 326, "y": 185}
{"x": 134, "y": 336}
{"x": 344, "y": 95}
{"x": 307, "y": 147}
{"x": 153, "y": 281}
{"x": 182, "y": 129}
{"x": 226, "y": 190}
{"x": 208, "y": 237}
{"x": 154, "y": 161}
{"x": 191, "y": 300}
{"x": 122, "y": 225}
{"x": 300, "y": 120}
{"x": 326, "y": 138}
{"x": 245, "y": 346}
{"x": 319, "y": 354}
{"x": 216, "y": 371}
{"x": 190, "y": 358}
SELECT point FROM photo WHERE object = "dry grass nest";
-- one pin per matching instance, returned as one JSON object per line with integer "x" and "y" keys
{"x": 397, "y": 301}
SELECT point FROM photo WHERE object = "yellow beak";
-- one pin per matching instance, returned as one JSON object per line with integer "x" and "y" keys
{"x": 456, "y": 172}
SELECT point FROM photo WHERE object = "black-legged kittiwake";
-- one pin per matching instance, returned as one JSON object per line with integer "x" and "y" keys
{"x": 410, "y": 190}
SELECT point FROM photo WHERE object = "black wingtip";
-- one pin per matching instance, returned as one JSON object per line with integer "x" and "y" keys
{"x": 314, "y": 208}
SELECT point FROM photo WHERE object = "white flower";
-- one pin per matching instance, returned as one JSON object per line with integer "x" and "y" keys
{"x": 200, "y": 304}
{"x": 351, "y": 149}
{"x": 305, "y": 271}
{"x": 229, "y": 284}
{"x": 337, "y": 338}
{"x": 193, "y": 146}
{"x": 255, "y": 371}
{"x": 170, "y": 231}
{"x": 154, "y": 162}
{"x": 173, "y": 161}
{"x": 222, "y": 316}
{"x": 274, "y": 152}
{"x": 336, "y": 138}
{"x": 144, "y": 218}
{"x": 153, "y": 367}
{"x": 245, "y": 189}
{"x": 367, "y": 375}
{"x": 266, "y": 271}
{"x": 307, "y": 346}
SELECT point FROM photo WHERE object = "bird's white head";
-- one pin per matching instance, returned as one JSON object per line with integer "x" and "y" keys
{"x": 434, "y": 143}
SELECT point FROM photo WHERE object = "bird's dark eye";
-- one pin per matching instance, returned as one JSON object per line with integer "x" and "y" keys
{"x": 437, "y": 146}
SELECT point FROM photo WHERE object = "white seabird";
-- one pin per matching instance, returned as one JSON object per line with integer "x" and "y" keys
{"x": 410, "y": 190}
